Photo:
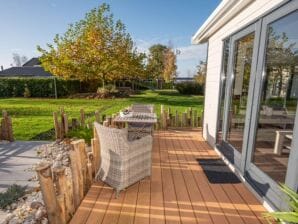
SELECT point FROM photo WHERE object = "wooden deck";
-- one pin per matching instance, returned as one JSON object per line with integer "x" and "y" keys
{"x": 177, "y": 192}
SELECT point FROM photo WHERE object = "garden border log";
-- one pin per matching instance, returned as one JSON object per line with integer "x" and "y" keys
{"x": 44, "y": 174}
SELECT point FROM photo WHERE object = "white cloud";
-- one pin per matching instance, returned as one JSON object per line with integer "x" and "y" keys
{"x": 192, "y": 52}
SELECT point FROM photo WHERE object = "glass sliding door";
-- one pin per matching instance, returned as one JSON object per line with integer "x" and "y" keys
{"x": 272, "y": 150}
{"x": 223, "y": 79}
{"x": 239, "y": 62}
{"x": 278, "y": 101}
{"x": 239, "y": 92}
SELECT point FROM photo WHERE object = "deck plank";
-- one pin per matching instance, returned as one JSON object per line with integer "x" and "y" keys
{"x": 178, "y": 190}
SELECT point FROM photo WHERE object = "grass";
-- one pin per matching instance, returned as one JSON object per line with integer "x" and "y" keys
{"x": 11, "y": 195}
{"x": 32, "y": 118}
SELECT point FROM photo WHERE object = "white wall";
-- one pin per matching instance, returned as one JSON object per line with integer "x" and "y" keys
{"x": 254, "y": 10}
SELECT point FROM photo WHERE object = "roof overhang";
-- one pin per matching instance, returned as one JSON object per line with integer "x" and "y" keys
{"x": 224, "y": 12}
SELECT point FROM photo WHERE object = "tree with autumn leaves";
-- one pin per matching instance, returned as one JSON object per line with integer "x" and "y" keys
{"x": 94, "y": 49}
{"x": 161, "y": 63}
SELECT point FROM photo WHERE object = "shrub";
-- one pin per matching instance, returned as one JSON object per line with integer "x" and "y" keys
{"x": 108, "y": 91}
{"x": 190, "y": 88}
{"x": 12, "y": 194}
{"x": 27, "y": 92}
{"x": 38, "y": 87}
{"x": 288, "y": 216}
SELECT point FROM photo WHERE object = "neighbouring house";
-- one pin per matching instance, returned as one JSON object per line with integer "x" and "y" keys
{"x": 184, "y": 79}
{"x": 251, "y": 115}
{"x": 31, "y": 68}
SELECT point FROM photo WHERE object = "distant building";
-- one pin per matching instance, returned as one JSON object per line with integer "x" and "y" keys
{"x": 31, "y": 68}
{"x": 184, "y": 79}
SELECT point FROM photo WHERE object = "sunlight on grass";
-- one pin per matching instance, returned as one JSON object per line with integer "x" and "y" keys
{"x": 32, "y": 118}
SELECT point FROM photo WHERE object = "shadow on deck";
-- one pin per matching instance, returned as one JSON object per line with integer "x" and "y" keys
{"x": 179, "y": 190}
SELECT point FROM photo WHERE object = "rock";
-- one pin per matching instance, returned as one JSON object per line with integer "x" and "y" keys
{"x": 57, "y": 164}
{"x": 65, "y": 162}
{"x": 35, "y": 204}
{"x": 9, "y": 216}
{"x": 15, "y": 220}
{"x": 8, "y": 207}
{"x": 13, "y": 206}
{"x": 59, "y": 157}
{"x": 41, "y": 212}
{"x": 44, "y": 221}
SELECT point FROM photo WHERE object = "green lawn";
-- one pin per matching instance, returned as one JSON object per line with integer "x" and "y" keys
{"x": 32, "y": 118}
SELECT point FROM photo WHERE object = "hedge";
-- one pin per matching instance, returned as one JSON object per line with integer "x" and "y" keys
{"x": 190, "y": 88}
{"x": 38, "y": 87}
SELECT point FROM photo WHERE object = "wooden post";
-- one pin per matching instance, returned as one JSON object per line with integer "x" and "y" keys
{"x": 164, "y": 120}
{"x": 62, "y": 188}
{"x": 195, "y": 120}
{"x": 91, "y": 160}
{"x": 44, "y": 174}
{"x": 73, "y": 124}
{"x": 95, "y": 146}
{"x": 176, "y": 119}
{"x": 61, "y": 125}
{"x": 184, "y": 119}
{"x": 190, "y": 117}
{"x": 82, "y": 118}
{"x": 89, "y": 177}
{"x": 61, "y": 206}
{"x": 162, "y": 116}
{"x": 65, "y": 120}
{"x": 97, "y": 116}
{"x": 109, "y": 119}
{"x": 57, "y": 126}
{"x": 79, "y": 148}
{"x": 76, "y": 179}
{"x": 10, "y": 131}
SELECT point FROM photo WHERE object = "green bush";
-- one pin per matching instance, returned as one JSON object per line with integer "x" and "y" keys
{"x": 37, "y": 87}
{"x": 27, "y": 93}
{"x": 190, "y": 88}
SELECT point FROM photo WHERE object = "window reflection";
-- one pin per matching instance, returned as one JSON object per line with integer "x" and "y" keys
{"x": 242, "y": 66}
{"x": 223, "y": 89}
{"x": 279, "y": 98}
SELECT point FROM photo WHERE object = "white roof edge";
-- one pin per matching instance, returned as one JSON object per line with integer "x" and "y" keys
{"x": 224, "y": 12}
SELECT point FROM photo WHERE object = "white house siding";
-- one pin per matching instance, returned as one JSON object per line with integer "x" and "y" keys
{"x": 249, "y": 14}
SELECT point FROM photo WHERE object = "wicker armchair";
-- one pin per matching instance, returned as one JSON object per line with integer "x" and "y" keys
{"x": 123, "y": 162}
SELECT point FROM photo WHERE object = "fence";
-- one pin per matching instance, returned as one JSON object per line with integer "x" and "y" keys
{"x": 63, "y": 194}
{"x": 6, "y": 132}
{"x": 168, "y": 118}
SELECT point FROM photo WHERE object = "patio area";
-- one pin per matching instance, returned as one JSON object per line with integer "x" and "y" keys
{"x": 189, "y": 184}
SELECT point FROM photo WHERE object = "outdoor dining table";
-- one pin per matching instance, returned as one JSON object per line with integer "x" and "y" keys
{"x": 139, "y": 121}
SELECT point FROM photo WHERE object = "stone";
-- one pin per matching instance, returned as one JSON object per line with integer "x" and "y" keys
{"x": 59, "y": 157}
{"x": 9, "y": 216}
{"x": 35, "y": 204}
{"x": 41, "y": 212}
{"x": 44, "y": 221}
{"x": 13, "y": 206}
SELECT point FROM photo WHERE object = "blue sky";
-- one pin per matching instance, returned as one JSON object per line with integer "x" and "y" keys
{"x": 27, "y": 23}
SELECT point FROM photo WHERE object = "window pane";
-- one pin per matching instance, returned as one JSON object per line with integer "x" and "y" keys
{"x": 223, "y": 88}
{"x": 242, "y": 66}
{"x": 279, "y": 98}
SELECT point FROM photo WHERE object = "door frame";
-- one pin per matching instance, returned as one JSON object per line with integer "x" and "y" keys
{"x": 239, "y": 158}
{"x": 252, "y": 172}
